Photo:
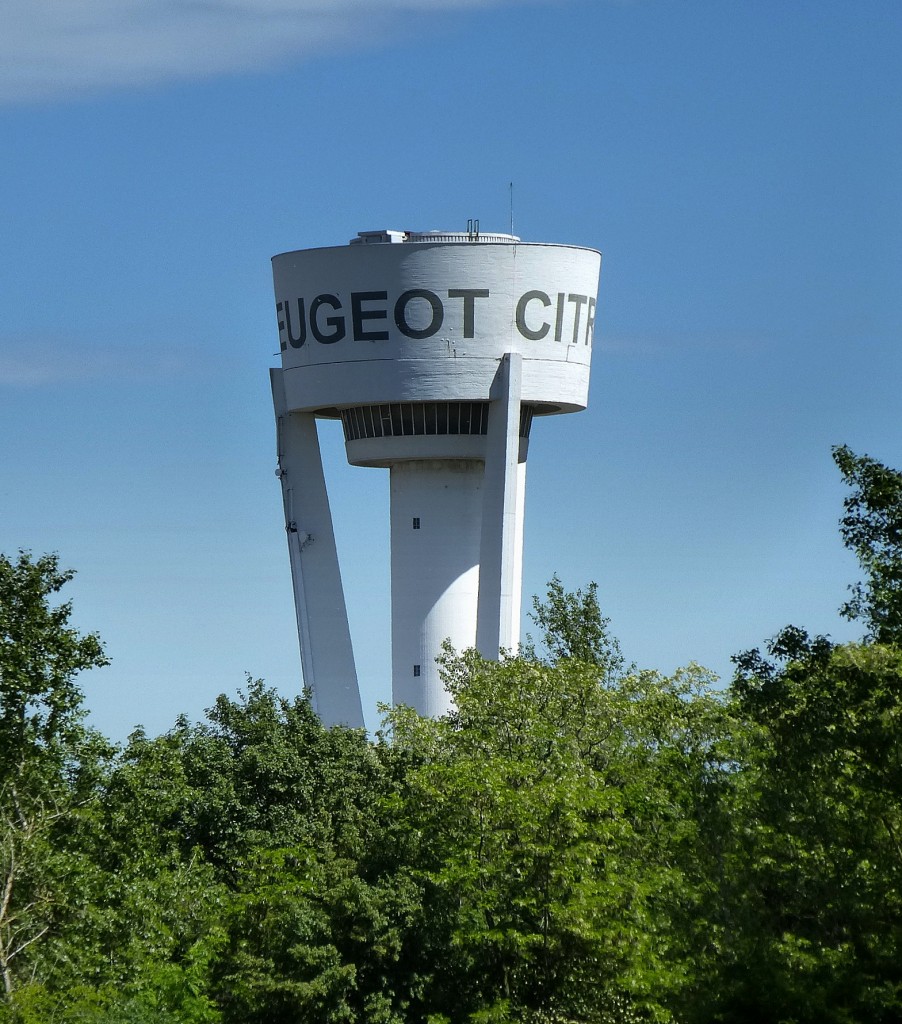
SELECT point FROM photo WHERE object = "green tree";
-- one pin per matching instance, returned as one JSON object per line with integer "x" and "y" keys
{"x": 294, "y": 817}
{"x": 144, "y": 916}
{"x": 573, "y": 628}
{"x": 811, "y": 844}
{"x": 812, "y": 889}
{"x": 49, "y": 763}
{"x": 872, "y": 529}
{"x": 556, "y": 819}
{"x": 40, "y": 656}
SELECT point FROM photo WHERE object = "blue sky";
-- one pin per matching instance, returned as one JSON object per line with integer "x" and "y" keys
{"x": 737, "y": 161}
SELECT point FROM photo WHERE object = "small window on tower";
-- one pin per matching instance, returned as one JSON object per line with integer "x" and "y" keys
{"x": 416, "y": 670}
{"x": 416, "y": 522}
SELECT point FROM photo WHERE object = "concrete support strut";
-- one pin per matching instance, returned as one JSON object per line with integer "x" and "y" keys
{"x": 501, "y": 549}
{"x": 327, "y": 657}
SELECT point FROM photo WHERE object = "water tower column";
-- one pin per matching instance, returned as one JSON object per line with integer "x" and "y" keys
{"x": 436, "y": 530}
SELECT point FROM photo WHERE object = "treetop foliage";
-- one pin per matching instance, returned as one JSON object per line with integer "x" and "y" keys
{"x": 872, "y": 529}
{"x": 577, "y": 842}
{"x": 573, "y": 628}
{"x": 40, "y": 656}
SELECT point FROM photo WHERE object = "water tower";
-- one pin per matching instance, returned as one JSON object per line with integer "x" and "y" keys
{"x": 437, "y": 350}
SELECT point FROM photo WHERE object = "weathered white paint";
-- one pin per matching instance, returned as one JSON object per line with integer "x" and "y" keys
{"x": 327, "y": 658}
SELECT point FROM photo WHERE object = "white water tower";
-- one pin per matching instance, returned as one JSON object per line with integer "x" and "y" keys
{"x": 437, "y": 350}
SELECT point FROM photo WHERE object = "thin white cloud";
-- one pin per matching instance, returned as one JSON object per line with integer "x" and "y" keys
{"x": 38, "y": 363}
{"x": 54, "y": 48}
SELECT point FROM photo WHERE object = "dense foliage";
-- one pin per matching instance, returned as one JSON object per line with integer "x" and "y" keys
{"x": 578, "y": 841}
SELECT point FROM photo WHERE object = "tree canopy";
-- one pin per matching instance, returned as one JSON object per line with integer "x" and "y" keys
{"x": 872, "y": 529}
{"x": 576, "y": 842}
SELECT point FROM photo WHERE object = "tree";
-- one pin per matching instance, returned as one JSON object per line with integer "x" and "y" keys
{"x": 872, "y": 529}
{"x": 806, "y": 896}
{"x": 573, "y": 628}
{"x": 48, "y": 761}
{"x": 293, "y": 816}
{"x": 555, "y": 816}
{"x": 817, "y": 836}
{"x": 40, "y": 657}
